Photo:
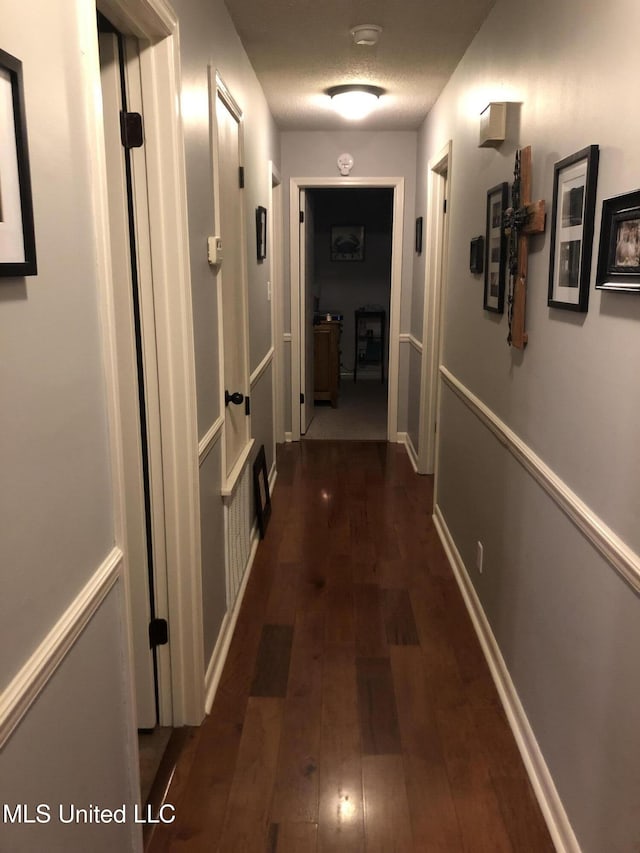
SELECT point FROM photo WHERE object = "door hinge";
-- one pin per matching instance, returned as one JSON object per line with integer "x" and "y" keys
{"x": 301, "y": 399}
{"x": 444, "y": 206}
{"x": 301, "y": 216}
{"x": 131, "y": 133}
{"x": 241, "y": 176}
{"x": 158, "y": 633}
{"x": 247, "y": 406}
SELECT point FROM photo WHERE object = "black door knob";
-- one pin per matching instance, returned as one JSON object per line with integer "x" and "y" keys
{"x": 236, "y": 398}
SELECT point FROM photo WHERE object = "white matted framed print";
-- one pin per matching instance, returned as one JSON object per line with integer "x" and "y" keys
{"x": 574, "y": 202}
{"x": 17, "y": 237}
{"x": 495, "y": 248}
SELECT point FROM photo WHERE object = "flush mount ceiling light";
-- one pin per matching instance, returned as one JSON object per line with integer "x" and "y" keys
{"x": 354, "y": 101}
{"x": 366, "y": 34}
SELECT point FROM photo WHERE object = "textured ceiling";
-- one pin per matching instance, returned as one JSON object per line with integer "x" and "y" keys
{"x": 301, "y": 47}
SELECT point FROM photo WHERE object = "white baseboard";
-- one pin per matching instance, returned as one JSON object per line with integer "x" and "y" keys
{"x": 288, "y": 437}
{"x": 405, "y": 438}
{"x": 219, "y": 656}
{"x": 545, "y": 790}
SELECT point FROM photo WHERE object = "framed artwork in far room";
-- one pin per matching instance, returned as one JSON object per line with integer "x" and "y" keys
{"x": 495, "y": 247}
{"x": 17, "y": 235}
{"x": 619, "y": 252}
{"x": 574, "y": 204}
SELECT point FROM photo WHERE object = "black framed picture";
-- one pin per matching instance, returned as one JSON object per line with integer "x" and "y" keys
{"x": 495, "y": 247}
{"x": 17, "y": 235}
{"x": 419, "y": 222}
{"x": 574, "y": 204}
{"x": 476, "y": 255}
{"x": 347, "y": 242}
{"x": 619, "y": 252}
{"x": 261, "y": 232}
{"x": 261, "y": 491}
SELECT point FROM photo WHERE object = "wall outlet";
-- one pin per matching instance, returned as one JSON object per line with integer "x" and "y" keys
{"x": 479, "y": 556}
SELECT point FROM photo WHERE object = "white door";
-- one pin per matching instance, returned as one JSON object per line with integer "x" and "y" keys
{"x": 134, "y": 395}
{"x": 232, "y": 275}
{"x": 307, "y": 409}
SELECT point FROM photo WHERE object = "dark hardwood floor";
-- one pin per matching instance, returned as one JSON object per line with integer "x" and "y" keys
{"x": 356, "y": 711}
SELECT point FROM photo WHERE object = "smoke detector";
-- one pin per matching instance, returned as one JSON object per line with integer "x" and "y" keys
{"x": 366, "y": 34}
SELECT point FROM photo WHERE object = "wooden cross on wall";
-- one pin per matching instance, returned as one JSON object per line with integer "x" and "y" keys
{"x": 522, "y": 219}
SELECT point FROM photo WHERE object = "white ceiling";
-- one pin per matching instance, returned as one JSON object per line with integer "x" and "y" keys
{"x": 301, "y": 47}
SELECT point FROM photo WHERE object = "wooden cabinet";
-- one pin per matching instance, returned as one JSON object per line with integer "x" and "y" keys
{"x": 326, "y": 355}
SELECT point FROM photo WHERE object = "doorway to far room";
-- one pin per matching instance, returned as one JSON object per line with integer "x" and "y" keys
{"x": 348, "y": 272}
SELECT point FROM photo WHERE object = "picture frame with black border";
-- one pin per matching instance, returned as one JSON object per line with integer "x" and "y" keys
{"x": 495, "y": 248}
{"x": 575, "y": 180}
{"x": 419, "y": 224}
{"x": 261, "y": 491}
{"x": 17, "y": 233}
{"x": 619, "y": 250}
{"x": 347, "y": 242}
{"x": 261, "y": 232}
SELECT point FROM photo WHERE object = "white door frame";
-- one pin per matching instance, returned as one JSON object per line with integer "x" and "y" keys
{"x": 274, "y": 237}
{"x": 295, "y": 185}
{"x": 155, "y": 24}
{"x": 437, "y": 241}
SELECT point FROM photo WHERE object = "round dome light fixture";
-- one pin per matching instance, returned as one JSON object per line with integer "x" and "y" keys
{"x": 366, "y": 34}
{"x": 354, "y": 100}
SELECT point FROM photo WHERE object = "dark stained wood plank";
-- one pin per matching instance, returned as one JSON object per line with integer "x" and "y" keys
{"x": 371, "y": 635}
{"x": 433, "y": 816}
{"x": 341, "y": 815}
{"x": 340, "y": 616}
{"x": 297, "y": 837}
{"x": 305, "y": 671}
{"x": 295, "y": 795}
{"x": 281, "y": 604}
{"x": 398, "y": 618}
{"x": 246, "y": 821}
{"x": 377, "y": 707}
{"x": 271, "y": 674}
{"x": 518, "y": 806}
{"x": 387, "y": 822}
{"x": 475, "y": 799}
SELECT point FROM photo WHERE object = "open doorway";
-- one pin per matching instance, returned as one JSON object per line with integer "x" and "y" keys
{"x": 348, "y": 284}
{"x": 346, "y": 250}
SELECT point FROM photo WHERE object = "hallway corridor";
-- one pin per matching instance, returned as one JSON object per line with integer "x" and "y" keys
{"x": 356, "y": 711}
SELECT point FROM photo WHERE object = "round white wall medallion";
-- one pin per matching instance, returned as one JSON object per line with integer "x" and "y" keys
{"x": 345, "y": 163}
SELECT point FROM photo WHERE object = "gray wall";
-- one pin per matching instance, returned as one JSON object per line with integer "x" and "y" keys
{"x": 57, "y": 527}
{"x": 566, "y": 623}
{"x": 376, "y": 154}
{"x": 208, "y": 38}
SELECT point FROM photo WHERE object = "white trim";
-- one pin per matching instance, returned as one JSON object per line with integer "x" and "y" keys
{"x": 405, "y": 438}
{"x": 182, "y": 699}
{"x": 25, "y": 687}
{"x": 209, "y": 439}
{"x": 221, "y": 650}
{"x": 288, "y": 437}
{"x": 274, "y": 234}
{"x": 408, "y": 338}
{"x": 397, "y": 184}
{"x": 229, "y": 486}
{"x": 437, "y": 238}
{"x": 616, "y": 552}
{"x": 541, "y": 780}
{"x": 286, "y": 337}
{"x": 260, "y": 369}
